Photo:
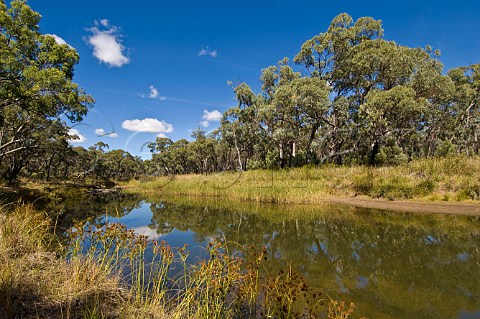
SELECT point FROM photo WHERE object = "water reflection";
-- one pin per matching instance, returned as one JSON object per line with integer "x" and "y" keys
{"x": 391, "y": 265}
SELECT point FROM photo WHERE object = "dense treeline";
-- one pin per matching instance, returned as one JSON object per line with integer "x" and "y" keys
{"x": 358, "y": 99}
{"x": 351, "y": 97}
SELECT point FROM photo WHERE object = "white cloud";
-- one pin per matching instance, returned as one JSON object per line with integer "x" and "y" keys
{"x": 107, "y": 46}
{"x": 149, "y": 125}
{"x": 75, "y": 136}
{"x": 161, "y": 135}
{"x": 58, "y": 39}
{"x": 214, "y": 116}
{"x": 101, "y": 132}
{"x": 153, "y": 92}
{"x": 207, "y": 51}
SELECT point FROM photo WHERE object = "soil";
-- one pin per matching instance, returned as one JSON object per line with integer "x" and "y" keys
{"x": 413, "y": 207}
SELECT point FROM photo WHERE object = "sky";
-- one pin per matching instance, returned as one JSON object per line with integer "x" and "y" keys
{"x": 160, "y": 68}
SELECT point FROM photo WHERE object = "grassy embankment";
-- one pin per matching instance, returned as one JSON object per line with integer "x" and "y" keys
{"x": 42, "y": 278}
{"x": 447, "y": 179}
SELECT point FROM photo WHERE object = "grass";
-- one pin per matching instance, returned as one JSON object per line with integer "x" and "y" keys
{"x": 437, "y": 179}
{"x": 106, "y": 271}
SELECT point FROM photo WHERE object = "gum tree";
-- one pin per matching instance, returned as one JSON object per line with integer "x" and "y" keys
{"x": 36, "y": 87}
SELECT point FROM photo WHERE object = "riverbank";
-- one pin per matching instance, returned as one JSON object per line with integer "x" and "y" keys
{"x": 447, "y": 185}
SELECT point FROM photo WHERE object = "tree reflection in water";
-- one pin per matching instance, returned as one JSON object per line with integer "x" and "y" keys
{"x": 390, "y": 264}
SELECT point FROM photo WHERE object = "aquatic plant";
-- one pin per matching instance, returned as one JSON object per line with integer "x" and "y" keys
{"x": 107, "y": 271}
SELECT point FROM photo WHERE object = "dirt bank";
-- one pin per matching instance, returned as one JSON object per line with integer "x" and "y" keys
{"x": 413, "y": 207}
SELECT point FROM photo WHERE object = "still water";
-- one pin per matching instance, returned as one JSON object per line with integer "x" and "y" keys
{"x": 390, "y": 264}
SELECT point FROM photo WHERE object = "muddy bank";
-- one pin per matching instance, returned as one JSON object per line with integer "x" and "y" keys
{"x": 412, "y": 207}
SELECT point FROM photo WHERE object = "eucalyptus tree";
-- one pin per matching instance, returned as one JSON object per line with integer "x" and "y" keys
{"x": 36, "y": 85}
{"x": 467, "y": 102}
{"x": 121, "y": 165}
{"x": 397, "y": 96}
{"x": 361, "y": 99}
{"x": 275, "y": 111}
{"x": 328, "y": 56}
{"x": 239, "y": 128}
{"x": 161, "y": 163}
{"x": 203, "y": 152}
{"x": 53, "y": 157}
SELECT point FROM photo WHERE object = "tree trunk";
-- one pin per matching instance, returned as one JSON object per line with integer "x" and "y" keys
{"x": 49, "y": 166}
{"x": 313, "y": 132}
{"x": 375, "y": 150}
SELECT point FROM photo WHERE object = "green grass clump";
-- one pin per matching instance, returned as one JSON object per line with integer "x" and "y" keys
{"x": 393, "y": 188}
{"x": 470, "y": 191}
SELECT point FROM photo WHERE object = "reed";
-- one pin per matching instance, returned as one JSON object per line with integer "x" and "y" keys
{"x": 106, "y": 271}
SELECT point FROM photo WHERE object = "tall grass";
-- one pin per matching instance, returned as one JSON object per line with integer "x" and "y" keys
{"x": 109, "y": 272}
{"x": 436, "y": 179}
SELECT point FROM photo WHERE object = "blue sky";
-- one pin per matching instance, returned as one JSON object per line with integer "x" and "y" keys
{"x": 161, "y": 67}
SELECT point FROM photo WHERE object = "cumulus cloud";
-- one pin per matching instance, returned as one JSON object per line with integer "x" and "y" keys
{"x": 161, "y": 135}
{"x": 101, "y": 132}
{"x": 207, "y": 51}
{"x": 76, "y": 136}
{"x": 107, "y": 45}
{"x": 149, "y": 125}
{"x": 213, "y": 116}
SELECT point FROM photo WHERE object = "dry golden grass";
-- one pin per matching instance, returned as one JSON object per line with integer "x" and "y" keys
{"x": 443, "y": 179}
{"x": 36, "y": 283}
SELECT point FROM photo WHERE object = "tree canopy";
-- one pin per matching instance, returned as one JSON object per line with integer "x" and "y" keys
{"x": 36, "y": 90}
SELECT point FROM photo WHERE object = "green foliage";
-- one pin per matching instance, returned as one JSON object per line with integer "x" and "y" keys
{"x": 363, "y": 100}
{"x": 445, "y": 148}
{"x": 395, "y": 188}
{"x": 390, "y": 155}
{"x": 36, "y": 87}
{"x": 470, "y": 191}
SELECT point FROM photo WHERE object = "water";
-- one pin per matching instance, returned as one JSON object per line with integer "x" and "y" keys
{"x": 390, "y": 264}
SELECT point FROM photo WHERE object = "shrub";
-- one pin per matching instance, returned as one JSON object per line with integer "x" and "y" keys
{"x": 471, "y": 191}
{"x": 395, "y": 188}
{"x": 425, "y": 187}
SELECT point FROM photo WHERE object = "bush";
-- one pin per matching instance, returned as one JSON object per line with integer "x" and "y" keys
{"x": 471, "y": 191}
{"x": 425, "y": 187}
{"x": 395, "y": 188}
{"x": 390, "y": 155}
